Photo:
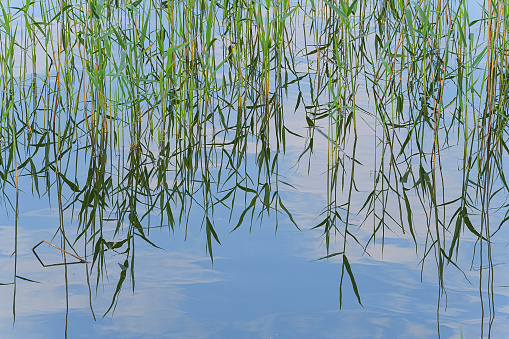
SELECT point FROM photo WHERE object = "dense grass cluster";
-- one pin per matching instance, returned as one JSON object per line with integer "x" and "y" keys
{"x": 160, "y": 101}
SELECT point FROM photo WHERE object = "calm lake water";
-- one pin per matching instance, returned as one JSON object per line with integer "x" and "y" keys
{"x": 268, "y": 278}
{"x": 262, "y": 284}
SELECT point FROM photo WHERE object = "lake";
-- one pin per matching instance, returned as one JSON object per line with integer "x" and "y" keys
{"x": 271, "y": 169}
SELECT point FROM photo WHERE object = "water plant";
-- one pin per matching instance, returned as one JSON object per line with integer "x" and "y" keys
{"x": 162, "y": 103}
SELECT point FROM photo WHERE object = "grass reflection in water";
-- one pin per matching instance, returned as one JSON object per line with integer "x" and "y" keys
{"x": 139, "y": 112}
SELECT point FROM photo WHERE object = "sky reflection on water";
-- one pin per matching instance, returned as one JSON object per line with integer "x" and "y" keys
{"x": 262, "y": 284}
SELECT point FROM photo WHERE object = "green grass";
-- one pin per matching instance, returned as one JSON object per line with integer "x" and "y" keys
{"x": 159, "y": 101}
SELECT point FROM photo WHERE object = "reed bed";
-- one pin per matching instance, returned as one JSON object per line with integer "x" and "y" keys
{"x": 161, "y": 102}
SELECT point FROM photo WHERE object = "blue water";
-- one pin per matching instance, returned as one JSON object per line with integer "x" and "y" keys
{"x": 262, "y": 284}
